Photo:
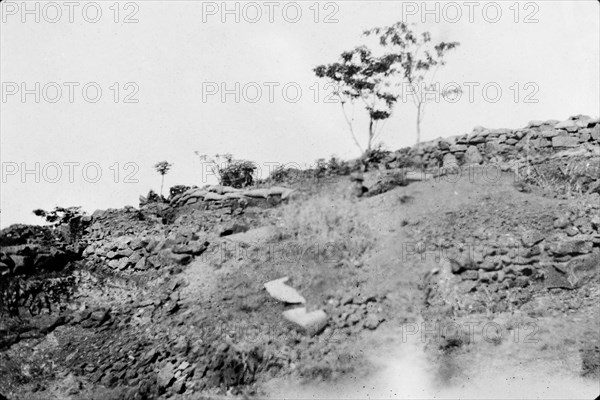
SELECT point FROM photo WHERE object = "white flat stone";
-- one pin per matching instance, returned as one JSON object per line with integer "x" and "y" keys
{"x": 277, "y": 190}
{"x": 309, "y": 323}
{"x": 282, "y": 292}
{"x": 213, "y": 196}
{"x": 257, "y": 193}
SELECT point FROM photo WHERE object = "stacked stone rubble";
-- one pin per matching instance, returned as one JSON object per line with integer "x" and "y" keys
{"x": 578, "y": 135}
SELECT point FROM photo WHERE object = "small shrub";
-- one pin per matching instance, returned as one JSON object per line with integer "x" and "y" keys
{"x": 376, "y": 155}
{"x": 153, "y": 197}
{"x": 230, "y": 172}
{"x": 177, "y": 190}
{"x": 404, "y": 159}
{"x": 335, "y": 166}
{"x": 282, "y": 174}
{"x": 61, "y": 217}
{"x": 238, "y": 174}
{"x": 320, "y": 168}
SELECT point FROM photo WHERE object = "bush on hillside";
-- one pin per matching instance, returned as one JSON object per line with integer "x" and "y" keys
{"x": 60, "y": 215}
{"x": 68, "y": 219}
{"x": 153, "y": 197}
{"x": 238, "y": 174}
{"x": 321, "y": 169}
{"x": 283, "y": 174}
{"x": 336, "y": 166}
{"x": 230, "y": 172}
{"x": 376, "y": 155}
{"x": 177, "y": 190}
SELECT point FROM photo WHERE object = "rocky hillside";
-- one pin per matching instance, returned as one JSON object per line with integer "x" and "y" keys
{"x": 188, "y": 297}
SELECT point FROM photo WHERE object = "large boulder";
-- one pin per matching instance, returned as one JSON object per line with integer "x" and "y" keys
{"x": 473, "y": 156}
{"x": 449, "y": 161}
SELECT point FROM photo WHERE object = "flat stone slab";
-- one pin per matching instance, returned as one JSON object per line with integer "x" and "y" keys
{"x": 210, "y": 196}
{"x": 222, "y": 189}
{"x": 257, "y": 193}
{"x": 309, "y": 323}
{"x": 277, "y": 191}
{"x": 282, "y": 292}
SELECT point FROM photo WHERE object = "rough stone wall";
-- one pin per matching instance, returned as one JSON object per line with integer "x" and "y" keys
{"x": 560, "y": 250}
{"x": 565, "y": 255}
{"x": 577, "y": 136}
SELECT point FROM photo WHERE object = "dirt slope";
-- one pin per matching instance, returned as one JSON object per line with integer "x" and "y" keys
{"x": 526, "y": 342}
{"x": 193, "y": 320}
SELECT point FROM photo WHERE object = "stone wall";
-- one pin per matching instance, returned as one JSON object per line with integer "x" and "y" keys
{"x": 566, "y": 255}
{"x": 514, "y": 251}
{"x": 577, "y": 136}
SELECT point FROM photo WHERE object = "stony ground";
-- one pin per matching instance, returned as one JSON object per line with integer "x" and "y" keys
{"x": 445, "y": 287}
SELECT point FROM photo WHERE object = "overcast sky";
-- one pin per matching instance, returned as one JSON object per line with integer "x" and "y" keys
{"x": 166, "y": 64}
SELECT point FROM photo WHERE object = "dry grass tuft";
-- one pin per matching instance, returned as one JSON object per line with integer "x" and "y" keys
{"x": 330, "y": 220}
{"x": 572, "y": 177}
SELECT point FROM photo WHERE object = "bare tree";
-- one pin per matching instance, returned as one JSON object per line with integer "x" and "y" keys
{"x": 417, "y": 61}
